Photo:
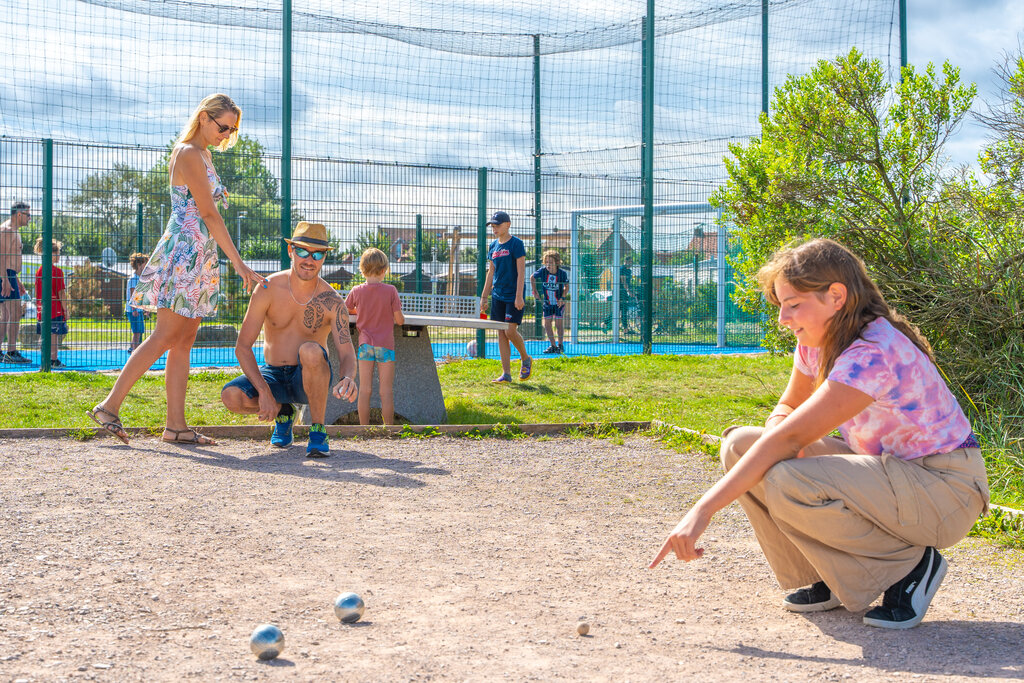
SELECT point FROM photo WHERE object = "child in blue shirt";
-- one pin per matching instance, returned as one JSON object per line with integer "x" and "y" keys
{"x": 503, "y": 287}
{"x": 549, "y": 288}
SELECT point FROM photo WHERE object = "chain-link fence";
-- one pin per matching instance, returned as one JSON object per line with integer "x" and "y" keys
{"x": 109, "y": 202}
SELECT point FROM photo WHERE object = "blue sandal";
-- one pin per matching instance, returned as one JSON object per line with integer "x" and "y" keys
{"x": 524, "y": 372}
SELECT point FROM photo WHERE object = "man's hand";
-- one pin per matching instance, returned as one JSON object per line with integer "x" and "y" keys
{"x": 520, "y": 302}
{"x": 346, "y": 389}
{"x": 268, "y": 406}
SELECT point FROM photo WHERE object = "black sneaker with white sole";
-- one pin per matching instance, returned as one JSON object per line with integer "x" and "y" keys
{"x": 17, "y": 358}
{"x": 816, "y": 598}
{"x": 906, "y": 601}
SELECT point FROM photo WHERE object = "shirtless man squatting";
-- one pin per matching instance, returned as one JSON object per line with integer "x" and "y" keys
{"x": 297, "y": 310}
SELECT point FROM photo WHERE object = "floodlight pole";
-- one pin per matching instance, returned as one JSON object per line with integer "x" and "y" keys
{"x": 537, "y": 246}
{"x": 647, "y": 177}
{"x": 286, "y": 128}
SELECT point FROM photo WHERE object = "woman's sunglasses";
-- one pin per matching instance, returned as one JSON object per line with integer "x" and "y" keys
{"x": 221, "y": 128}
{"x": 306, "y": 253}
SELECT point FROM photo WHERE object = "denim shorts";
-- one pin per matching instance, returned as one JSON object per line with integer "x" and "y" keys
{"x": 137, "y": 322}
{"x": 554, "y": 311}
{"x": 57, "y": 326}
{"x": 506, "y": 311}
{"x": 12, "y": 277}
{"x": 377, "y": 353}
{"x": 285, "y": 382}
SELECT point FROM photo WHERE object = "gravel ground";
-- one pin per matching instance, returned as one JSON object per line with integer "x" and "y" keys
{"x": 476, "y": 559}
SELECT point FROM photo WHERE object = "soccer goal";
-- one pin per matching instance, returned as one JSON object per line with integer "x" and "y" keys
{"x": 605, "y": 280}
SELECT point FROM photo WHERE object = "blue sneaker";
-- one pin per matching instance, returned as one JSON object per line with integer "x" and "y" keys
{"x": 317, "y": 447}
{"x": 282, "y": 436}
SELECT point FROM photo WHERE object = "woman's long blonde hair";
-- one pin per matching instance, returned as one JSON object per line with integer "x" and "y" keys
{"x": 813, "y": 267}
{"x": 213, "y": 106}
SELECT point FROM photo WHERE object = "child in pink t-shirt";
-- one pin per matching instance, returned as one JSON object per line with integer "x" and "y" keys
{"x": 844, "y": 520}
{"x": 377, "y": 310}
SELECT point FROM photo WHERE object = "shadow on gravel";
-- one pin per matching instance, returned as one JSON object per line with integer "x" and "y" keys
{"x": 950, "y": 648}
{"x": 349, "y": 466}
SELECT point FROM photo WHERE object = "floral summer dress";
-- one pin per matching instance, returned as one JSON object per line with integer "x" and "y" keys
{"x": 183, "y": 274}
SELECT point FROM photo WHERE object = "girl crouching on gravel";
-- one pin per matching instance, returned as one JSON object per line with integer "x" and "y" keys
{"x": 854, "y": 518}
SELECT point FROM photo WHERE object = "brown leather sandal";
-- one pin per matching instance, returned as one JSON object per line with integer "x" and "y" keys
{"x": 112, "y": 426}
{"x": 196, "y": 439}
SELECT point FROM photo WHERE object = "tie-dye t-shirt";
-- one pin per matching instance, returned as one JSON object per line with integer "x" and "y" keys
{"x": 914, "y": 413}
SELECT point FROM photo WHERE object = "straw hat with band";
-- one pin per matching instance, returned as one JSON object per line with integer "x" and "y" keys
{"x": 310, "y": 236}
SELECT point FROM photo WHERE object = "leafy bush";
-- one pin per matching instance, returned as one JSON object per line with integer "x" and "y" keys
{"x": 849, "y": 156}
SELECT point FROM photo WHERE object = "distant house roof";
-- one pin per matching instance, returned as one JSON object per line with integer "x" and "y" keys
{"x": 704, "y": 244}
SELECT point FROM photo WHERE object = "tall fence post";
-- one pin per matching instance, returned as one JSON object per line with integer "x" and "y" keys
{"x": 903, "y": 36}
{"x": 538, "y": 242}
{"x": 419, "y": 253}
{"x": 722, "y": 272}
{"x": 764, "y": 56}
{"x": 46, "y": 300}
{"x": 138, "y": 227}
{"x": 647, "y": 179}
{"x": 286, "y": 128}
{"x": 481, "y": 250}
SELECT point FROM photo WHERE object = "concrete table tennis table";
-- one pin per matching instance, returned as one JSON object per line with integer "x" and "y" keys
{"x": 418, "y": 396}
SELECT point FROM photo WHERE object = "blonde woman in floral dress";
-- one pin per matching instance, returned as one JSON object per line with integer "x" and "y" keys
{"x": 181, "y": 282}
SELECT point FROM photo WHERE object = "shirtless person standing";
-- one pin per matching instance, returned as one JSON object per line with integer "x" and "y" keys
{"x": 10, "y": 289}
{"x": 296, "y": 310}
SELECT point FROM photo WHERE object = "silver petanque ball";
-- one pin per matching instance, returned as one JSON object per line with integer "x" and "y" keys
{"x": 348, "y": 607}
{"x": 266, "y": 641}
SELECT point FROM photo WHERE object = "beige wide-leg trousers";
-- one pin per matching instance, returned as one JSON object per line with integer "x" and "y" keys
{"x": 859, "y": 523}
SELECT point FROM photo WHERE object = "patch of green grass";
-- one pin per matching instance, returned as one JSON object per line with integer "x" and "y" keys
{"x": 1006, "y": 530}
{"x": 700, "y": 392}
{"x": 60, "y": 399}
{"x": 686, "y": 442}
{"x": 82, "y": 434}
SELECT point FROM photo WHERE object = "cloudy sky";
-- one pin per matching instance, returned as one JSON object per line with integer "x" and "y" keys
{"x": 971, "y": 34}
{"x": 89, "y": 71}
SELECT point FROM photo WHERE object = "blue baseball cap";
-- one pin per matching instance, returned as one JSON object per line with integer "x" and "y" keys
{"x": 498, "y": 218}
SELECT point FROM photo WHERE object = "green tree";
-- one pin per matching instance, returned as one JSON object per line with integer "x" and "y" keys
{"x": 848, "y": 155}
{"x": 434, "y": 248}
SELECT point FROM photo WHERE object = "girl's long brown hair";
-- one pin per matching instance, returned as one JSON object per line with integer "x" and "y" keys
{"x": 812, "y": 267}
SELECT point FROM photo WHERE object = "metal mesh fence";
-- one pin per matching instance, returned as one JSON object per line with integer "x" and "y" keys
{"x": 110, "y": 202}
{"x": 379, "y": 121}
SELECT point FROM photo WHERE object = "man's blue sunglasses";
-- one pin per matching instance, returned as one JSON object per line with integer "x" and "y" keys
{"x": 306, "y": 253}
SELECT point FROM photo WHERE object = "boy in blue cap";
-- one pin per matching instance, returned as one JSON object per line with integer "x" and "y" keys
{"x": 503, "y": 289}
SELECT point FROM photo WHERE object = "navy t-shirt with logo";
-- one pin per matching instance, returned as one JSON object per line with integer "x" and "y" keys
{"x": 503, "y": 256}
{"x": 552, "y": 285}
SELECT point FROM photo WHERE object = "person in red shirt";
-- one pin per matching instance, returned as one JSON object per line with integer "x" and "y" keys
{"x": 58, "y": 315}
